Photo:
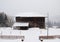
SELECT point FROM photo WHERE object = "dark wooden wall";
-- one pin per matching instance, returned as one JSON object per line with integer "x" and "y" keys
{"x": 33, "y": 21}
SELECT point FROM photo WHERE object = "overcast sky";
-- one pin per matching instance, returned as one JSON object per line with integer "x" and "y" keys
{"x": 42, "y": 6}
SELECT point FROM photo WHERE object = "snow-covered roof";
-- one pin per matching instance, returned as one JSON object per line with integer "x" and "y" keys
{"x": 30, "y": 14}
{"x": 21, "y": 24}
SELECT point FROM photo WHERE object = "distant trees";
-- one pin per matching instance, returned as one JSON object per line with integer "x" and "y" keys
{"x": 51, "y": 24}
{"x": 5, "y": 20}
{"x": 10, "y": 20}
{"x": 57, "y": 24}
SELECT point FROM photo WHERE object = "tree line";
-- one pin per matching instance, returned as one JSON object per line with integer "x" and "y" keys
{"x": 8, "y": 21}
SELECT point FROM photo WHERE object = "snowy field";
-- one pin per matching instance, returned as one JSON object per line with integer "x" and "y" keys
{"x": 31, "y": 35}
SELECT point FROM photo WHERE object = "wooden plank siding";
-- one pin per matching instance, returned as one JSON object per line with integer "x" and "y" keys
{"x": 11, "y": 37}
{"x": 49, "y": 37}
{"x": 33, "y": 21}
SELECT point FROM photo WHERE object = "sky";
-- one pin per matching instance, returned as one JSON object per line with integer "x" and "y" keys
{"x": 12, "y": 7}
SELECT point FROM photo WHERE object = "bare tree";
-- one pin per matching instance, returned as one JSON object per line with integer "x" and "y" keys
{"x": 10, "y": 20}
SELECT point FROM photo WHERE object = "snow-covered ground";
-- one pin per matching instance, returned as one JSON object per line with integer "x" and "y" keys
{"x": 31, "y": 35}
